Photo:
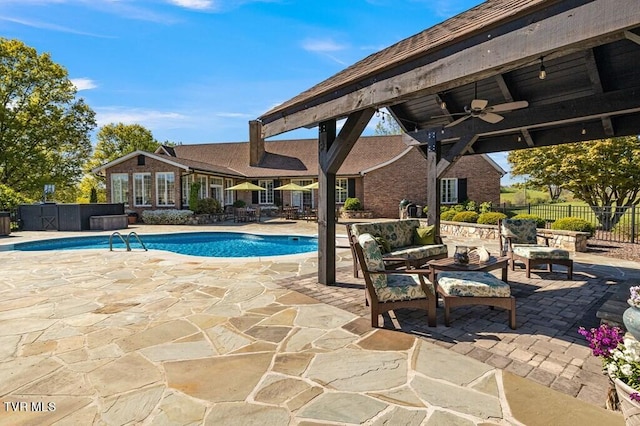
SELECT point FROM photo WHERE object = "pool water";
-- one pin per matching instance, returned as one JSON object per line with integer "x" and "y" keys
{"x": 209, "y": 244}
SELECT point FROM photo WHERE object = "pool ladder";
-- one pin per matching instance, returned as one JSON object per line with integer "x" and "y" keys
{"x": 126, "y": 240}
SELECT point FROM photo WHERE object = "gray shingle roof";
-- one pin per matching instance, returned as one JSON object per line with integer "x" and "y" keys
{"x": 286, "y": 158}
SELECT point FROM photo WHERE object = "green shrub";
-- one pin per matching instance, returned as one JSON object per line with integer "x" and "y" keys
{"x": 471, "y": 206}
{"x": 194, "y": 193}
{"x": 352, "y": 204}
{"x": 443, "y": 209}
{"x": 539, "y": 221}
{"x": 459, "y": 208}
{"x": 425, "y": 211}
{"x": 208, "y": 206}
{"x": 573, "y": 224}
{"x": 239, "y": 204}
{"x": 469, "y": 217}
{"x": 491, "y": 218}
{"x": 166, "y": 217}
{"x": 448, "y": 215}
{"x": 486, "y": 207}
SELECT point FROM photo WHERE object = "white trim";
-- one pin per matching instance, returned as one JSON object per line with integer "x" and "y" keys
{"x": 494, "y": 164}
{"x": 386, "y": 163}
{"x": 135, "y": 154}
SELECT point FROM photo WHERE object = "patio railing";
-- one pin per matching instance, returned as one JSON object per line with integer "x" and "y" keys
{"x": 615, "y": 224}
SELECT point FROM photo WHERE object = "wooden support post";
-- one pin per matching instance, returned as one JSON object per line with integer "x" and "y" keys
{"x": 433, "y": 183}
{"x": 326, "y": 206}
{"x": 332, "y": 151}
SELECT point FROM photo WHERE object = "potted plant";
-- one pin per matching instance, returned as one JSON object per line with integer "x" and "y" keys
{"x": 132, "y": 217}
{"x": 621, "y": 362}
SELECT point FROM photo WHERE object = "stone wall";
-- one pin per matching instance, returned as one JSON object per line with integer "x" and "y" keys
{"x": 568, "y": 240}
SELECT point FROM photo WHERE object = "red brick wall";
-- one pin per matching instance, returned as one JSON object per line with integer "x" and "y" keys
{"x": 151, "y": 165}
{"x": 406, "y": 178}
{"x": 385, "y": 187}
{"x": 483, "y": 180}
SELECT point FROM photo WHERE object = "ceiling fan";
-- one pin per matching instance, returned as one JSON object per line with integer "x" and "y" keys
{"x": 481, "y": 109}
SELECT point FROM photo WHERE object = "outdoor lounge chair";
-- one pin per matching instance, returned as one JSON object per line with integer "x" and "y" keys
{"x": 519, "y": 240}
{"x": 392, "y": 289}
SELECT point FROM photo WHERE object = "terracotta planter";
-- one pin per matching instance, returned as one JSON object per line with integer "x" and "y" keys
{"x": 132, "y": 219}
{"x": 630, "y": 409}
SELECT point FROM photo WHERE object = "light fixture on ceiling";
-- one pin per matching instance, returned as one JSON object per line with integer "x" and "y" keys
{"x": 519, "y": 138}
{"x": 543, "y": 71}
{"x": 443, "y": 105}
{"x": 584, "y": 131}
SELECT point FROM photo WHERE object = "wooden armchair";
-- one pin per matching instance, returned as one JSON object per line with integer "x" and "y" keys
{"x": 387, "y": 290}
{"x": 519, "y": 241}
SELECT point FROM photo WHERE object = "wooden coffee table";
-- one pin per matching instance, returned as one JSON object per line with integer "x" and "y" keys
{"x": 448, "y": 264}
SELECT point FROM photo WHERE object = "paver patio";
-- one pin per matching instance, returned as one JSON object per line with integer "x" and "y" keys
{"x": 161, "y": 338}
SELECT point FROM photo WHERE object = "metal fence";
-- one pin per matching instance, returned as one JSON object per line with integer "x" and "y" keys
{"x": 615, "y": 224}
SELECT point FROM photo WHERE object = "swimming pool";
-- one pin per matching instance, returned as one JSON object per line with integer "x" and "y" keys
{"x": 209, "y": 244}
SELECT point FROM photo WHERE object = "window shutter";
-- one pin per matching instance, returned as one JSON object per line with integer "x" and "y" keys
{"x": 276, "y": 194}
{"x": 351, "y": 187}
{"x": 462, "y": 190}
{"x": 254, "y": 194}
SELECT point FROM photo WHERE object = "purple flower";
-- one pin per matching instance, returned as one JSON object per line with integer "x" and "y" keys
{"x": 635, "y": 396}
{"x": 602, "y": 340}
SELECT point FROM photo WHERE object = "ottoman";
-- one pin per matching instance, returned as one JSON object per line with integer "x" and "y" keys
{"x": 460, "y": 288}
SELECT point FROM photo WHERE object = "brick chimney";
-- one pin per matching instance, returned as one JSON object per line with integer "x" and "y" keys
{"x": 256, "y": 143}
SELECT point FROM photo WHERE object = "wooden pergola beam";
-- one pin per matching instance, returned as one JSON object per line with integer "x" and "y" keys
{"x": 581, "y": 28}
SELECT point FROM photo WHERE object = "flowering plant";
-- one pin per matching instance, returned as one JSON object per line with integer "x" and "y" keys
{"x": 634, "y": 300}
{"x": 620, "y": 356}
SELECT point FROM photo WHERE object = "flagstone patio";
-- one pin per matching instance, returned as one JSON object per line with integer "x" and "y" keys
{"x": 98, "y": 337}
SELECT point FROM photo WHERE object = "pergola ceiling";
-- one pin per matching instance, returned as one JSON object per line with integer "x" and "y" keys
{"x": 591, "y": 52}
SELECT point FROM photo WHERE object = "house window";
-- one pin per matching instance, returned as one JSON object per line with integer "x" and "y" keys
{"x": 216, "y": 189}
{"x": 142, "y": 189}
{"x": 186, "y": 189}
{"x": 228, "y": 195}
{"x": 341, "y": 194}
{"x": 449, "y": 191}
{"x": 203, "y": 187}
{"x": 265, "y": 197}
{"x": 120, "y": 188}
{"x": 165, "y": 189}
{"x": 302, "y": 198}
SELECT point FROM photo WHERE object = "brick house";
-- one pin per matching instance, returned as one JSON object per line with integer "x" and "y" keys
{"x": 379, "y": 170}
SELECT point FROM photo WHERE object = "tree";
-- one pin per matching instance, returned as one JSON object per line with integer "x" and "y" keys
{"x": 603, "y": 173}
{"x": 541, "y": 164}
{"x": 387, "y": 126}
{"x": 114, "y": 141}
{"x": 44, "y": 129}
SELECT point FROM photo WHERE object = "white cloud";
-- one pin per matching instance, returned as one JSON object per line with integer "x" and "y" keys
{"x": 322, "y": 46}
{"x": 194, "y": 4}
{"x": 48, "y": 26}
{"x": 234, "y": 115}
{"x": 84, "y": 83}
{"x": 148, "y": 118}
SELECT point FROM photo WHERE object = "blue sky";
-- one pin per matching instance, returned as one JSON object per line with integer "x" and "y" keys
{"x": 196, "y": 71}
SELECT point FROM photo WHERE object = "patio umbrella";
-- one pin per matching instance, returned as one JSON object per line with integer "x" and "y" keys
{"x": 291, "y": 187}
{"x": 245, "y": 186}
{"x": 316, "y": 185}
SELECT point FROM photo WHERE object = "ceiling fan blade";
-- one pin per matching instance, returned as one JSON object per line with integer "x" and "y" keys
{"x": 509, "y": 106}
{"x": 490, "y": 117}
{"x": 458, "y": 121}
{"x": 479, "y": 104}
